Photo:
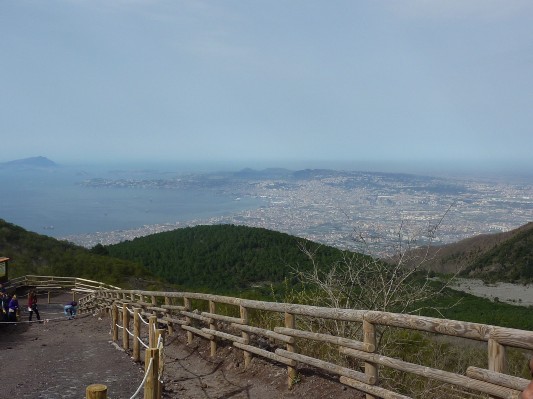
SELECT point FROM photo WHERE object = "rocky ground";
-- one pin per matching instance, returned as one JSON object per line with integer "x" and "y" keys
{"x": 60, "y": 358}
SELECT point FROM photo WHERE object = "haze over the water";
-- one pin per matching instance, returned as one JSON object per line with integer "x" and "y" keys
{"x": 408, "y": 86}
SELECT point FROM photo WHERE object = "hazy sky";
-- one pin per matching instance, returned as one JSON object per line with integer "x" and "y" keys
{"x": 374, "y": 80}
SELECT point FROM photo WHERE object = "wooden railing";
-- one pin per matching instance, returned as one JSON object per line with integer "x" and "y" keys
{"x": 76, "y": 284}
{"x": 216, "y": 318}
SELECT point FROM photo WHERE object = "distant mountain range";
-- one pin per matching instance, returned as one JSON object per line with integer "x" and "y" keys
{"x": 39, "y": 162}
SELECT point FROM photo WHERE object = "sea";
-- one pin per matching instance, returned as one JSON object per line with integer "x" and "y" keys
{"x": 55, "y": 202}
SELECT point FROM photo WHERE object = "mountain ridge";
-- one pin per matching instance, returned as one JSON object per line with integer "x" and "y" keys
{"x": 481, "y": 256}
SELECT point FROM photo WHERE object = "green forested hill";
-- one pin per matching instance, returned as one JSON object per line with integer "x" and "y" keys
{"x": 511, "y": 260}
{"x": 221, "y": 256}
{"x": 32, "y": 253}
{"x": 505, "y": 257}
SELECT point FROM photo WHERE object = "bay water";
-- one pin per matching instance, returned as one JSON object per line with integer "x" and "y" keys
{"x": 58, "y": 204}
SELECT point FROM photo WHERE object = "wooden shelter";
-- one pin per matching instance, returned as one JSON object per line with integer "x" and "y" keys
{"x": 3, "y": 270}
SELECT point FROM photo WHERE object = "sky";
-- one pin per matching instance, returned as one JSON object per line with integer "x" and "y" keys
{"x": 363, "y": 81}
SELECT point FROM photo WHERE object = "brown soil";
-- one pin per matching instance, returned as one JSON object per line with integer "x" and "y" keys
{"x": 60, "y": 358}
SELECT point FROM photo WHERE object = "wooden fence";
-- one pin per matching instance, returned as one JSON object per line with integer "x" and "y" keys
{"x": 216, "y": 318}
{"x": 50, "y": 284}
{"x": 241, "y": 321}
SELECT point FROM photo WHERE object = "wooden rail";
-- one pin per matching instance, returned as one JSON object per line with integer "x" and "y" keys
{"x": 242, "y": 321}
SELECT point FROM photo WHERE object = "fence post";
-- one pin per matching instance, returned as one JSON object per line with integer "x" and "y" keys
{"x": 170, "y": 325}
{"x": 160, "y": 332}
{"x": 125, "y": 327}
{"x": 136, "y": 335}
{"x": 152, "y": 382}
{"x": 96, "y": 391}
{"x": 114, "y": 312}
{"x": 152, "y": 321}
{"x": 108, "y": 296}
{"x": 187, "y": 306}
{"x": 154, "y": 303}
{"x": 245, "y": 336}
{"x": 497, "y": 358}
{"x": 369, "y": 338}
{"x": 213, "y": 326}
{"x": 290, "y": 322}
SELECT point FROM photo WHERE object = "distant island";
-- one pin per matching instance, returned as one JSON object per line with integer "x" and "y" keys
{"x": 32, "y": 162}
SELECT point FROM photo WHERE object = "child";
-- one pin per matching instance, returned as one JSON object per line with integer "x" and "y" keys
{"x": 71, "y": 309}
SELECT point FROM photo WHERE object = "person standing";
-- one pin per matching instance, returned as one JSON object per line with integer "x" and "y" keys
{"x": 32, "y": 305}
{"x": 13, "y": 308}
{"x": 71, "y": 309}
{"x": 4, "y": 304}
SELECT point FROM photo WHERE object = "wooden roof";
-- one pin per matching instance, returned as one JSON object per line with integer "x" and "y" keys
{"x": 4, "y": 259}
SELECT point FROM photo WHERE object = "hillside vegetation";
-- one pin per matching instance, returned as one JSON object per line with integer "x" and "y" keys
{"x": 240, "y": 260}
{"x": 32, "y": 253}
{"x": 504, "y": 257}
{"x": 511, "y": 260}
{"x": 222, "y": 257}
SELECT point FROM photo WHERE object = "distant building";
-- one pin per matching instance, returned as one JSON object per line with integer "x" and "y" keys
{"x": 3, "y": 269}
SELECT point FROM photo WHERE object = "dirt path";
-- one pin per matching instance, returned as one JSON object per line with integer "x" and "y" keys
{"x": 190, "y": 373}
{"x": 60, "y": 358}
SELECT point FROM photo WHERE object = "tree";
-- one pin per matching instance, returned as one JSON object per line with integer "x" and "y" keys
{"x": 400, "y": 282}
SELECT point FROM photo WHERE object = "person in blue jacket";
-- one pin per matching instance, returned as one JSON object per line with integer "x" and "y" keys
{"x": 13, "y": 309}
{"x": 71, "y": 309}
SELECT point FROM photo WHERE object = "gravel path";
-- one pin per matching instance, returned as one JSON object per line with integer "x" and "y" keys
{"x": 60, "y": 358}
{"x": 515, "y": 294}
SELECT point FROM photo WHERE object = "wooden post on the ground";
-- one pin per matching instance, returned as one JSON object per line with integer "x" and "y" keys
{"x": 49, "y": 297}
{"x": 125, "y": 327}
{"x": 152, "y": 381}
{"x": 170, "y": 325}
{"x": 187, "y": 306}
{"x": 114, "y": 313}
{"x": 246, "y": 336}
{"x": 152, "y": 321}
{"x": 369, "y": 338}
{"x": 154, "y": 303}
{"x": 108, "y": 295}
{"x": 96, "y": 391}
{"x": 497, "y": 358}
{"x": 160, "y": 332}
{"x": 290, "y": 322}
{"x": 136, "y": 335}
{"x": 213, "y": 326}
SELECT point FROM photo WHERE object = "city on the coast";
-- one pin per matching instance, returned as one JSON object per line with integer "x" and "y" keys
{"x": 334, "y": 207}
